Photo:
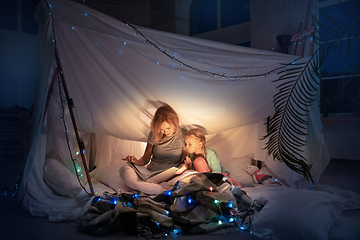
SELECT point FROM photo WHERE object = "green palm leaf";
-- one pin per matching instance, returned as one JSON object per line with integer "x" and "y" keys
{"x": 287, "y": 128}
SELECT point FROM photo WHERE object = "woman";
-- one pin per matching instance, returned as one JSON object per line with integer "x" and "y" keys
{"x": 165, "y": 148}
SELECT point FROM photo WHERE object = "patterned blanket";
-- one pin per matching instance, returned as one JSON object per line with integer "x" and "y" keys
{"x": 198, "y": 203}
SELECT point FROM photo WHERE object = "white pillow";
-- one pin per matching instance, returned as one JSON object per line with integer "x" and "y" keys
{"x": 110, "y": 176}
{"x": 298, "y": 214}
{"x": 60, "y": 179}
{"x": 237, "y": 166}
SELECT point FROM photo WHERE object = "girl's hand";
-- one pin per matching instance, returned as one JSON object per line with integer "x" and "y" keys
{"x": 130, "y": 159}
{"x": 187, "y": 160}
{"x": 182, "y": 168}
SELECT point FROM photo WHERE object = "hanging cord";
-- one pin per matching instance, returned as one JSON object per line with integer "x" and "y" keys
{"x": 211, "y": 74}
{"x": 67, "y": 135}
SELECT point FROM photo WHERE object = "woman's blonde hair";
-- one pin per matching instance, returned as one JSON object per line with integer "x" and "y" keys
{"x": 198, "y": 133}
{"x": 162, "y": 114}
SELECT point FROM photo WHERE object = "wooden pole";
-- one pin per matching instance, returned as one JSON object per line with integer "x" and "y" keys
{"x": 306, "y": 25}
{"x": 70, "y": 103}
{"x": 299, "y": 36}
{"x": 293, "y": 39}
{"x": 311, "y": 46}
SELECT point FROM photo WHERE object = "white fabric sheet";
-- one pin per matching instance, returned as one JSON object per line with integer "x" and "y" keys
{"x": 294, "y": 213}
{"x": 117, "y": 81}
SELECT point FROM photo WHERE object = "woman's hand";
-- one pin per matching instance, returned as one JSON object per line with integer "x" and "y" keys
{"x": 130, "y": 159}
{"x": 144, "y": 159}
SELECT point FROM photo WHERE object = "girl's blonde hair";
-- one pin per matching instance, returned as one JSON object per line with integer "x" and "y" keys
{"x": 162, "y": 114}
{"x": 198, "y": 133}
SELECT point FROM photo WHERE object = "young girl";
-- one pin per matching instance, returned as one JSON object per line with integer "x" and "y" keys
{"x": 203, "y": 159}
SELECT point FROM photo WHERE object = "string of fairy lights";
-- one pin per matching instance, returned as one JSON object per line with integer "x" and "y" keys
{"x": 241, "y": 219}
{"x": 215, "y": 75}
{"x": 73, "y": 159}
{"x": 211, "y": 74}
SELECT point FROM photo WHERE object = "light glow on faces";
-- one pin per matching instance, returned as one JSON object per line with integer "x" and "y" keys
{"x": 167, "y": 128}
{"x": 193, "y": 144}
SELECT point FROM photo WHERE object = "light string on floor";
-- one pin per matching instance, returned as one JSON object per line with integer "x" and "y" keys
{"x": 241, "y": 219}
{"x": 12, "y": 192}
{"x": 76, "y": 169}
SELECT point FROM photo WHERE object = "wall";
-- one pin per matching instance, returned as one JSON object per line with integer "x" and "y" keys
{"x": 19, "y": 53}
{"x": 182, "y": 15}
{"x": 18, "y": 68}
{"x": 155, "y": 14}
{"x": 342, "y": 137}
{"x": 132, "y": 11}
{"x": 270, "y": 18}
{"x": 163, "y": 15}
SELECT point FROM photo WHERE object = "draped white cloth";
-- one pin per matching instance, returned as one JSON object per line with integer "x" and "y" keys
{"x": 117, "y": 79}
